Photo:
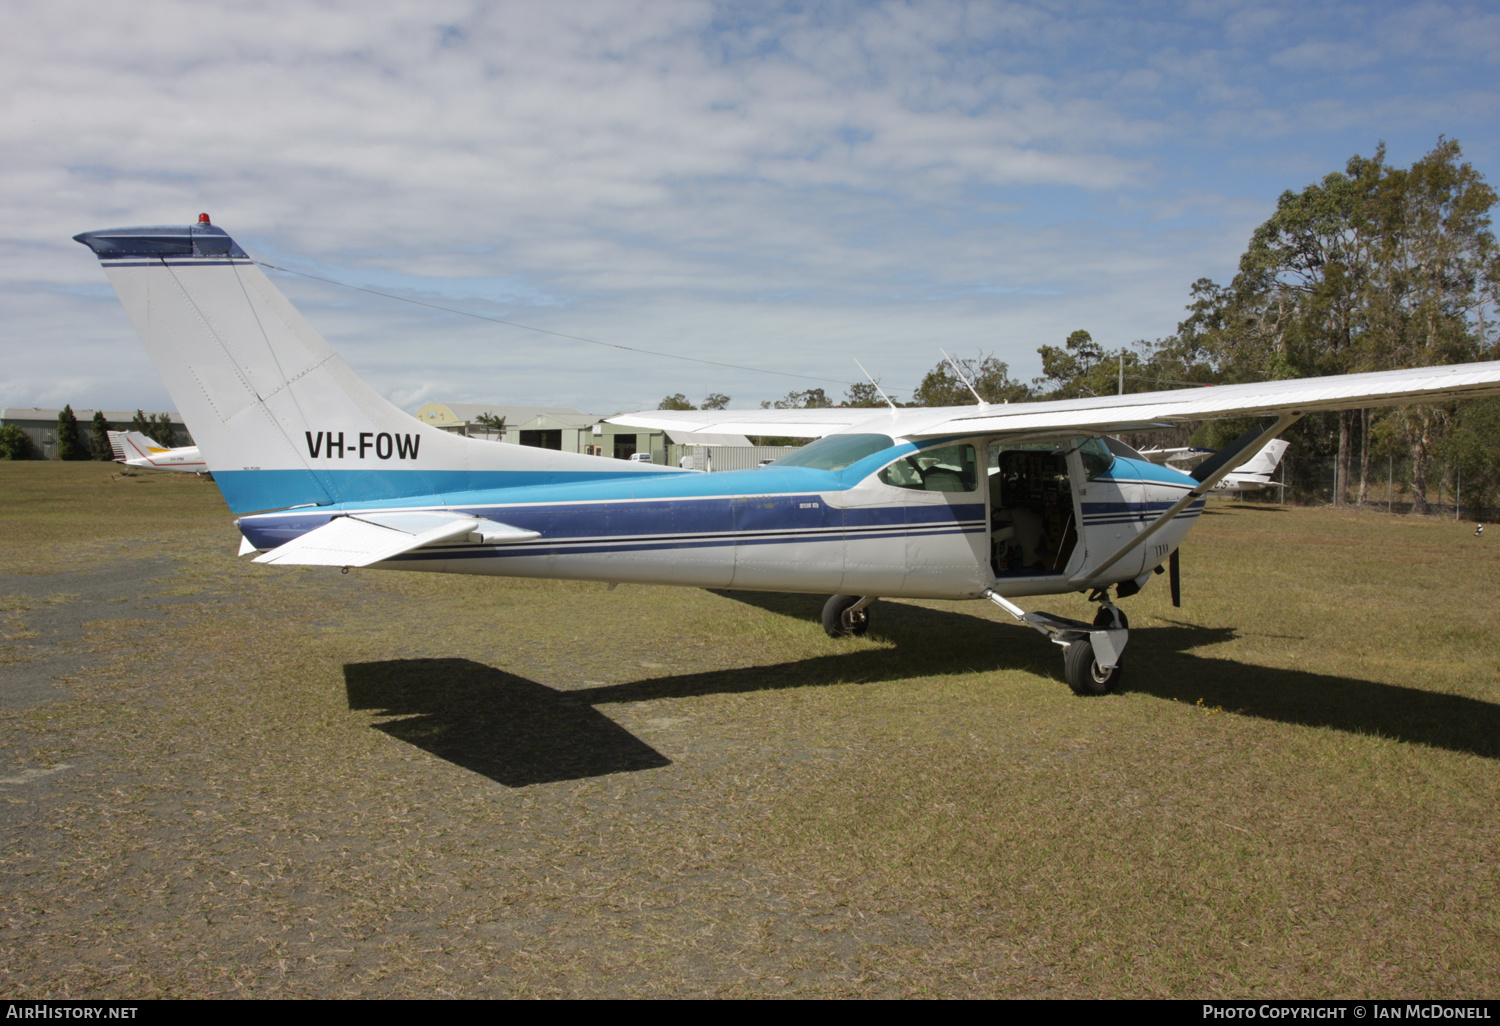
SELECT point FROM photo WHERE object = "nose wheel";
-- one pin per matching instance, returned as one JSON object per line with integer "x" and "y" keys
{"x": 1083, "y": 673}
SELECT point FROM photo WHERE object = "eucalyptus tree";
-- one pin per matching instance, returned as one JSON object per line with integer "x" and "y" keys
{"x": 1304, "y": 281}
{"x": 989, "y": 375}
{"x": 1371, "y": 268}
{"x": 1435, "y": 285}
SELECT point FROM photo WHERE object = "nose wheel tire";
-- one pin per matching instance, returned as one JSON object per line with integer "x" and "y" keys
{"x": 1085, "y": 676}
{"x": 841, "y": 620}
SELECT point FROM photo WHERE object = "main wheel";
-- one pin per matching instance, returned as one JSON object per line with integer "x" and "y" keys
{"x": 842, "y": 621}
{"x": 1085, "y": 676}
{"x": 1103, "y": 619}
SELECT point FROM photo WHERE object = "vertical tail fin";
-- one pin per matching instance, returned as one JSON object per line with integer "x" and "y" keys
{"x": 280, "y": 419}
{"x": 1264, "y": 462}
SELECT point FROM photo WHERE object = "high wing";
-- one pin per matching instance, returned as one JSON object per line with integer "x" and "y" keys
{"x": 1138, "y": 411}
{"x": 367, "y": 538}
{"x": 790, "y": 423}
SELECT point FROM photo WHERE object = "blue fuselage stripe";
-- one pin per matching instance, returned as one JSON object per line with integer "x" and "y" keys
{"x": 759, "y": 519}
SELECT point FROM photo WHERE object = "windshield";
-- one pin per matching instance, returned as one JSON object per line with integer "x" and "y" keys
{"x": 1097, "y": 458}
{"x": 1119, "y": 448}
{"x": 835, "y": 452}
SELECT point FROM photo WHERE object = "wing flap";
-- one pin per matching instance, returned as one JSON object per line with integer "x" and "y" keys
{"x": 367, "y": 538}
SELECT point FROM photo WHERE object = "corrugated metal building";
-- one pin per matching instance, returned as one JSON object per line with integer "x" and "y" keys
{"x": 547, "y": 427}
{"x": 41, "y": 425}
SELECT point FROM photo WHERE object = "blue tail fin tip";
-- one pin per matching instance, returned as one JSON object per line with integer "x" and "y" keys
{"x": 164, "y": 240}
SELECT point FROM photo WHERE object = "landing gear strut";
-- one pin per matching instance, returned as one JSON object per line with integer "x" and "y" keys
{"x": 847, "y": 616}
{"x": 1091, "y": 652}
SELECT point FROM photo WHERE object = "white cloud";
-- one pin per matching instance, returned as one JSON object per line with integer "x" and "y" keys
{"x": 1324, "y": 56}
{"x": 780, "y": 186}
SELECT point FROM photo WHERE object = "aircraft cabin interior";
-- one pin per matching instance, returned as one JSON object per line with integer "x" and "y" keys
{"x": 1033, "y": 519}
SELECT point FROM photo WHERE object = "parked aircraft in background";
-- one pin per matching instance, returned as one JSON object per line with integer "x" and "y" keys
{"x": 136, "y": 450}
{"x": 1253, "y": 474}
{"x": 991, "y": 502}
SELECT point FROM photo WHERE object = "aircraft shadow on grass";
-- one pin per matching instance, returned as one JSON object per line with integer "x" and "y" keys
{"x": 519, "y": 732}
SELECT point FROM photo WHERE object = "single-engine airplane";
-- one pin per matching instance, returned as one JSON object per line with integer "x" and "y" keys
{"x": 1255, "y": 473}
{"x": 136, "y": 450}
{"x": 972, "y": 502}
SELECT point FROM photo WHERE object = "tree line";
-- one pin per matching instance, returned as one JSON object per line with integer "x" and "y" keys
{"x": 16, "y": 444}
{"x": 1371, "y": 268}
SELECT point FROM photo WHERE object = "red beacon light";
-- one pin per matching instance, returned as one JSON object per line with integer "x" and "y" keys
{"x": 203, "y": 219}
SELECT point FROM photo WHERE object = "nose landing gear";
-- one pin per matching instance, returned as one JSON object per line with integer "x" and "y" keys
{"x": 1091, "y": 652}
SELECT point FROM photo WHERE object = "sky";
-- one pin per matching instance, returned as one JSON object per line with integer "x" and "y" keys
{"x": 786, "y": 187}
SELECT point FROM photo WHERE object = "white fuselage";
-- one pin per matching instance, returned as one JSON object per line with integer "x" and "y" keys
{"x": 801, "y": 530}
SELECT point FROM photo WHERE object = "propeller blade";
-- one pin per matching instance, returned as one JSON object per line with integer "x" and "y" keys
{"x": 1174, "y": 578}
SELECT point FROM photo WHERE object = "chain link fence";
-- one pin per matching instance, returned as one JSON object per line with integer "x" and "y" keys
{"x": 1387, "y": 486}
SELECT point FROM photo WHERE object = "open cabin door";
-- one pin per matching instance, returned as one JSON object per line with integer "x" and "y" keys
{"x": 1033, "y": 508}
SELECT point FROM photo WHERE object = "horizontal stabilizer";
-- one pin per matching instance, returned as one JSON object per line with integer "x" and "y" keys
{"x": 372, "y": 537}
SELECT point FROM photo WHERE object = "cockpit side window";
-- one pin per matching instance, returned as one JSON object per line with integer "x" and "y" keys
{"x": 948, "y": 468}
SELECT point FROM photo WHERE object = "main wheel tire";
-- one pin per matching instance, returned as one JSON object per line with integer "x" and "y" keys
{"x": 1085, "y": 676}
{"x": 1103, "y": 619}
{"x": 841, "y": 621}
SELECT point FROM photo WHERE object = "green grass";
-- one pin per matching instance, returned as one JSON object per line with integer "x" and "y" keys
{"x": 311, "y": 784}
{"x": 56, "y": 515}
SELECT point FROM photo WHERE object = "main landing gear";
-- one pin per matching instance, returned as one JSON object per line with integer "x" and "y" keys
{"x": 847, "y": 616}
{"x": 1091, "y": 652}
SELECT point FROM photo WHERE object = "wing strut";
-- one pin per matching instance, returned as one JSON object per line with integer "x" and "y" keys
{"x": 1225, "y": 461}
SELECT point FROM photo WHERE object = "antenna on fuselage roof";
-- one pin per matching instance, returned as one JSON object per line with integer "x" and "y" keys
{"x": 874, "y": 382}
{"x": 961, "y": 377}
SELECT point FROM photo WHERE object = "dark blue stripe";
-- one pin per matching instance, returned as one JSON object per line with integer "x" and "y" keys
{"x": 721, "y": 517}
{"x": 541, "y": 549}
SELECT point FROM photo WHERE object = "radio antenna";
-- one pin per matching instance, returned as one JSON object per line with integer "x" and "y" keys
{"x": 874, "y": 382}
{"x": 961, "y": 377}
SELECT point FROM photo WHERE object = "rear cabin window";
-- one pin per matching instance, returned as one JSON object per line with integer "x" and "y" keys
{"x": 835, "y": 452}
{"x": 948, "y": 468}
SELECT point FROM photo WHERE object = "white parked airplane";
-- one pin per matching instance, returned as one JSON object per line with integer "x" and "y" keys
{"x": 136, "y": 450}
{"x": 1253, "y": 474}
{"x": 991, "y": 502}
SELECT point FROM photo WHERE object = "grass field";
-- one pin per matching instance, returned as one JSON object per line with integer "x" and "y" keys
{"x": 301, "y": 783}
